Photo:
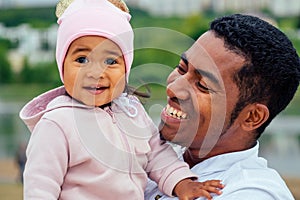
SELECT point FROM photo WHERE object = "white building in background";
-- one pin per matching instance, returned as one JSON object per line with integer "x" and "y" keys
{"x": 26, "y": 3}
{"x": 36, "y": 45}
{"x": 187, "y": 7}
{"x": 170, "y": 7}
{"x": 285, "y": 7}
{"x": 277, "y": 7}
{"x": 7, "y": 3}
{"x": 31, "y": 41}
{"x": 239, "y": 5}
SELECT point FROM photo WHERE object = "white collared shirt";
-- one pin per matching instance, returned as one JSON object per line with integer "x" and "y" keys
{"x": 245, "y": 175}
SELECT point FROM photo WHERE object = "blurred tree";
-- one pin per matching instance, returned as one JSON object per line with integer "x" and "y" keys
{"x": 6, "y": 73}
{"x": 298, "y": 23}
{"x": 39, "y": 18}
{"x": 44, "y": 73}
{"x": 196, "y": 25}
{"x": 25, "y": 74}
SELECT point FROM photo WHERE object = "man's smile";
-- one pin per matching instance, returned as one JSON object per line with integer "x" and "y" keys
{"x": 174, "y": 113}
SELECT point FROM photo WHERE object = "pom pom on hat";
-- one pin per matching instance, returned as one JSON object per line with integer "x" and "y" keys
{"x": 120, "y": 4}
{"x": 79, "y": 18}
{"x": 63, "y": 5}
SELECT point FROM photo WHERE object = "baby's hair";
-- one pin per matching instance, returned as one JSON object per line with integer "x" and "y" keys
{"x": 62, "y": 5}
{"x": 134, "y": 91}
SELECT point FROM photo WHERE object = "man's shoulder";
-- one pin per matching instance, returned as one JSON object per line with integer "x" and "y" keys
{"x": 245, "y": 182}
{"x": 241, "y": 182}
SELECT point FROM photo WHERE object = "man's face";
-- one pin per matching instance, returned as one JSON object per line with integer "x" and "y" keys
{"x": 201, "y": 95}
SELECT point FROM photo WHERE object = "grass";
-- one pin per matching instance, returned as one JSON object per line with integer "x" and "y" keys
{"x": 11, "y": 191}
{"x": 10, "y": 186}
{"x": 14, "y": 191}
{"x": 20, "y": 92}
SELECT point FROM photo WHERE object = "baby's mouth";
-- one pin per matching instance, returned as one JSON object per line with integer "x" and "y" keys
{"x": 174, "y": 113}
{"x": 95, "y": 88}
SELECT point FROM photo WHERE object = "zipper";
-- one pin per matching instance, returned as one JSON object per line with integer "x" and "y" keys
{"x": 127, "y": 145}
{"x": 111, "y": 113}
{"x": 130, "y": 160}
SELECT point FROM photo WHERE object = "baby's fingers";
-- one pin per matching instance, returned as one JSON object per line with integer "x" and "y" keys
{"x": 197, "y": 192}
{"x": 213, "y": 186}
{"x": 214, "y": 183}
{"x": 211, "y": 189}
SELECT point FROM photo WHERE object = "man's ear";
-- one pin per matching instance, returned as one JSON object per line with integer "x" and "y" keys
{"x": 254, "y": 115}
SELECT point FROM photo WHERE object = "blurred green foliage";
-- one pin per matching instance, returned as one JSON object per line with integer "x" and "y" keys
{"x": 191, "y": 26}
{"x": 6, "y": 73}
{"x": 36, "y": 17}
{"x": 167, "y": 54}
{"x": 44, "y": 73}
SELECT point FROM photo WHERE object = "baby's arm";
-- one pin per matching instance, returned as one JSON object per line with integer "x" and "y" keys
{"x": 174, "y": 176}
{"x": 188, "y": 189}
{"x": 47, "y": 162}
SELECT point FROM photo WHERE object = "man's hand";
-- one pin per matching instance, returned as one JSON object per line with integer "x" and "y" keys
{"x": 188, "y": 189}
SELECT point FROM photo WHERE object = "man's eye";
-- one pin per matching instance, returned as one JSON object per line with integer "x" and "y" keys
{"x": 202, "y": 87}
{"x": 82, "y": 60}
{"x": 110, "y": 61}
{"x": 180, "y": 69}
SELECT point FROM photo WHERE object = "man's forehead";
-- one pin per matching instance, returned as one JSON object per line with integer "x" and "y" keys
{"x": 198, "y": 57}
{"x": 210, "y": 51}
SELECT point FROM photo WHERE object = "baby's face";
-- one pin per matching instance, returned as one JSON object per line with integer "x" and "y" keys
{"x": 94, "y": 70}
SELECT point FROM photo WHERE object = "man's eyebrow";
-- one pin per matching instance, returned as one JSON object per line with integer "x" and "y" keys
{"x": 207, "y": 74}
{"x": 184, "y": 59}
{"x": 200, "y": 71}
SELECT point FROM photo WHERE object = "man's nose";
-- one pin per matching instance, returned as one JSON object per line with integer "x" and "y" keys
{"x": 179, "y": 87}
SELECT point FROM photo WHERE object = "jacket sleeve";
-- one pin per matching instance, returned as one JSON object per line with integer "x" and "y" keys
{"x": 47, "y": 161}
{"x": 164, "y": 166}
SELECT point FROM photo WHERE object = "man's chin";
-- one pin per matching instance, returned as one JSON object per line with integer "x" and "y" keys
{"x": 167, "y": 136}
{"x": 166, "y": 132}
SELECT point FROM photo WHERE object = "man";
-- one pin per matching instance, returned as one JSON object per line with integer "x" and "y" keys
{"x": 225, "y": 91}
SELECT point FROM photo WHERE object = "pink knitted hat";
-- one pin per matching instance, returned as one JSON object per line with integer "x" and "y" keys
{"x": 97, "y": 18}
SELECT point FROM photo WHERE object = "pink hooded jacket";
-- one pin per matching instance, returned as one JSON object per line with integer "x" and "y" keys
{"x": 82, "y": 152}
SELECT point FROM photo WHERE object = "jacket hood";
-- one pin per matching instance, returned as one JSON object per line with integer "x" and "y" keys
{"x": 32, "y": 112}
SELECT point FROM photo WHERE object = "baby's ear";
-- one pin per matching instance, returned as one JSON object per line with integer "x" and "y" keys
{"x": 61, "y": 6}
{"x": 120, "y": 4}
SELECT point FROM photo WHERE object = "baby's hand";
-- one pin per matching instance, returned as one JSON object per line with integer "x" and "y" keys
{"x": 188, "y": 189}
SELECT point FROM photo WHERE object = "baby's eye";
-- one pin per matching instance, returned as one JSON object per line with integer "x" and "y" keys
{"x": 110, "y": 61}
{"x": 82, "y": 60}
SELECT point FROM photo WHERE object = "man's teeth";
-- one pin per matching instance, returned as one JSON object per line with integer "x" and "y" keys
{"x": 172, "y": 112}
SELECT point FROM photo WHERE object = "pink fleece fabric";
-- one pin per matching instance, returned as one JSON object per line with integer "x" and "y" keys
{"x": 98, "y": 18}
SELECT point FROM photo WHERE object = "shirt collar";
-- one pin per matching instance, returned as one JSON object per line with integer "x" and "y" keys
{"x": 224, "y": 161}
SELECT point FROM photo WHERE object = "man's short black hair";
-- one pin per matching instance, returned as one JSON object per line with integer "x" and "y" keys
{"x": 271, "y": 73}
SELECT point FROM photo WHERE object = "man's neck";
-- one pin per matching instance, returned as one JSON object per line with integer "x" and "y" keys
{"x": 191, "y": 157}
